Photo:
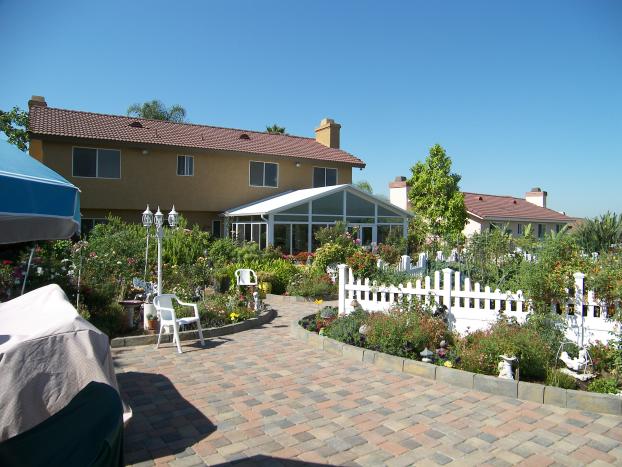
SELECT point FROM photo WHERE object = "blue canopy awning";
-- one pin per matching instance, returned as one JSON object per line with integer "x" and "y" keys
{"x": 36, "y": 203}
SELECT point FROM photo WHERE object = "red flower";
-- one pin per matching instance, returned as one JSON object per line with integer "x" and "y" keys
{"x": 7, "y": 261}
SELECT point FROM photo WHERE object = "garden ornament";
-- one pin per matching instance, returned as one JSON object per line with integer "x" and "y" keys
{"x": 257, "y": 302}
{"x": 442, "y": 350}
{"x": 426, "y": 355}
{"x": 576, "y": 364}
{"x": 363, "y": 330}
{"x": 505, "y": 366}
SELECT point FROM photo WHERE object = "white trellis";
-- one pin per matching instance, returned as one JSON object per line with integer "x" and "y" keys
{"x": 471, "y": 307}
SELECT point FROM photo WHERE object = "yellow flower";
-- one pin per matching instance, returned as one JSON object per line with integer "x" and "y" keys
{"x": 448, "y": 364}
{"x": 319, "y": 301}
{"x": 233, "y": 316}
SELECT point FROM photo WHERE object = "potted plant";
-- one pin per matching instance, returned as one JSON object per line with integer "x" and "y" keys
{"x": 264, "y": 280}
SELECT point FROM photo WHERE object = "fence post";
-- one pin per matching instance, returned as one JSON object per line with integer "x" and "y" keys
{"x": 405, "y": 263}
{"x": 578, "y": 301}
{"x": 342, "y": 288}
{"x": 447, "y": 295}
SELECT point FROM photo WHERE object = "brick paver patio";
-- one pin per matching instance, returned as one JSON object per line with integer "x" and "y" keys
{"x": 261, "y": 397}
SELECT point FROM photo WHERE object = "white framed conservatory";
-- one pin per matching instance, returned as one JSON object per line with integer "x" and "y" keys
{"x": 290, "y": 220}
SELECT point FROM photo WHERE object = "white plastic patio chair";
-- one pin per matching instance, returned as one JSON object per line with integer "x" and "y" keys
{"x": 245, "y": 277}
{"x": 164, "y": 307}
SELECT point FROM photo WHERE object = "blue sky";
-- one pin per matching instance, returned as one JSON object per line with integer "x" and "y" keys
{"x": 520, "y": 93}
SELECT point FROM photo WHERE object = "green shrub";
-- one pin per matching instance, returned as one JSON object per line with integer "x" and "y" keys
{"x": 310, "y": 282}
{"x": 479, "y": 351}
{"x": 282, "y": 271}
{"x": 346, "y": 328}
{"x": 332, "y": 253}
{"x": 604, "y": 386}
{"x": 223, "y": 251}
{"x": 558, "y": 379}
{"x": 603, "y": 356}
{"x": 405, "y": 333}
{"x": 362, "y": 263}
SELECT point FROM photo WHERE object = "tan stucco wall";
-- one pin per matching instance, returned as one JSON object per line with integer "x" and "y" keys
{"x": 220, "y": 181}
{"x": 476, "y": 225}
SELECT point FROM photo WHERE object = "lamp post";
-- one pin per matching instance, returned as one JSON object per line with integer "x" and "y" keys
{"x": 158, "y": 220}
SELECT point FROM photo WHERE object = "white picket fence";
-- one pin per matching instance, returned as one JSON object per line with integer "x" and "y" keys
{"x": 469, "y": 308}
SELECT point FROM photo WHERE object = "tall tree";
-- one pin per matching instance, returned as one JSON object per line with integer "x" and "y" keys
{"x": 600, "y": 233}
{"x": 275, "y": 129}
{"x": 435, "y": 196}
{"x": 156, "y": 110}
{"x": 14, "y": 124}
{"x": 365, "y": 186}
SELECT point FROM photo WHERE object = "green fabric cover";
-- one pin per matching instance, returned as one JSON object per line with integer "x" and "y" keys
{"x": 87, "y": 432}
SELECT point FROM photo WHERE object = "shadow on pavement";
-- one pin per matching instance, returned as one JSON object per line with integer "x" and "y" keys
{"x": 268, "y": 461}
{"x": 163, "y": 422}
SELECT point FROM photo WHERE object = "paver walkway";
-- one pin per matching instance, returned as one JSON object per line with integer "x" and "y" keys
{"x": 261, "y": 397}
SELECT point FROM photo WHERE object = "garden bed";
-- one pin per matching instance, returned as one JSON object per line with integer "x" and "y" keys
{"x": 523, "y": 390}
{"x": 147, "y": 339}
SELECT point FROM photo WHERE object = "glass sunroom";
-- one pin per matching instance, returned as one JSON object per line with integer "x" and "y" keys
{"x": 290, "y": 220}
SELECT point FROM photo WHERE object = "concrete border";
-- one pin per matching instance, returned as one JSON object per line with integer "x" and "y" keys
{"x": 523, "y": 390}
{"x": 148, "y": 339}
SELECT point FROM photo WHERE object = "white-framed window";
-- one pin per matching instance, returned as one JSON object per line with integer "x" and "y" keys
{"x": 96, "y": 162}
{"x": 263, "y": 174}
{"x": 185, "y": 166}
{"x": 324, "y": 176}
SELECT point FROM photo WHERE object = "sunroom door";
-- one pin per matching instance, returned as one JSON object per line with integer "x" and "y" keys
{"x": 363, "y": 232}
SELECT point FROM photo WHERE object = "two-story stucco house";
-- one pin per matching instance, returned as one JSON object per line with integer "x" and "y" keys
{"x": 209, "y": 173}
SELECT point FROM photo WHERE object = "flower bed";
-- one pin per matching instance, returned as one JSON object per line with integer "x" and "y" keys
{"x": 568, "y": 398}
{"x": 409, "y": 331}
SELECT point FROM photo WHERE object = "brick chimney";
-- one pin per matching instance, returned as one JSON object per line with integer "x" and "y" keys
{"x": 398, "y": 192}
{"x": 37, "y": 100}
{"x": 536, "y": 196}
{"x": 328, "y": 133}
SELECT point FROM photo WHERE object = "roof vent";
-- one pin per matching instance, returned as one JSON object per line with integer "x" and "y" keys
{"x": 480, "y": 198}
{"x": 514, "y": 202}
{"x": 136, "y": 124}
{"x": 244, "y": 136}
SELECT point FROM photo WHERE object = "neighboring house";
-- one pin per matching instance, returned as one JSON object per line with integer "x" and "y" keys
{"x": 492, "y": 211}
{"x": 122, "y": 163}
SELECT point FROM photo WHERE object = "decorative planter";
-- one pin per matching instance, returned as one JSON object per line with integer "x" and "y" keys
{"x": 152, "y": 324}
{"x": 148, "y": 310}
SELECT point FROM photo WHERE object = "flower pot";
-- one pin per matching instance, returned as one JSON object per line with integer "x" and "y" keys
{"x": 149, "y": 311}
{"x": 152, "y": 324}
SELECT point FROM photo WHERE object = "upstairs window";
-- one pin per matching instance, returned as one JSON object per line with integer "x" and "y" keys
{"x": 324, "y": 176}
{"x": 96, "y": 163}
{"x": 263, "y": 174}
{"x": 185, "y": 166}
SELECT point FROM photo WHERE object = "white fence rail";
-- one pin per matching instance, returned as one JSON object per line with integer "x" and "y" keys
{"x": 469, "y": 308}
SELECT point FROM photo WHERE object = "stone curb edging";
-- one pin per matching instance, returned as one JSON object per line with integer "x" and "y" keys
{"x": 533, "y": 392}
{"x": 245, "y": 325}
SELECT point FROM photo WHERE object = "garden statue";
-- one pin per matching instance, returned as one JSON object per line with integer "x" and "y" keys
{"x": 441, "y": 352}
{"x": 575, "y": 364}
{"x": 426, "y": 355}
{"x": 505, "y": 367}
{"x": 363, "y": 330}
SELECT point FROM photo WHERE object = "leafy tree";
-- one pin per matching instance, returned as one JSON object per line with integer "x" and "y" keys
{"x": 156, "y": 110}
{"x": 365, "y": 186}
{"x": 600, "y": 233}
{"x": 435, "y": 196}
{"x": 275, "y": 129}
{"x": 14, "y": 124}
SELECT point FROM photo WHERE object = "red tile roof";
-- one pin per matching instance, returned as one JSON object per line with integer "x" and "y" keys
{"x": 76, "y": 124}
{"x": 508, "y": 207}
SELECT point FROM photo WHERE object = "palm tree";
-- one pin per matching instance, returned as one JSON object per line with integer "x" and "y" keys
{"x": 156, "y": 110}
{"x": 365, "y": 186}
{"x": 275, "y": 129}
{"x": 600, "y": 233}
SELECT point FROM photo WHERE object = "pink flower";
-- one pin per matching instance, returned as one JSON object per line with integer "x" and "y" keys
{"x": 7, "y": 261}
